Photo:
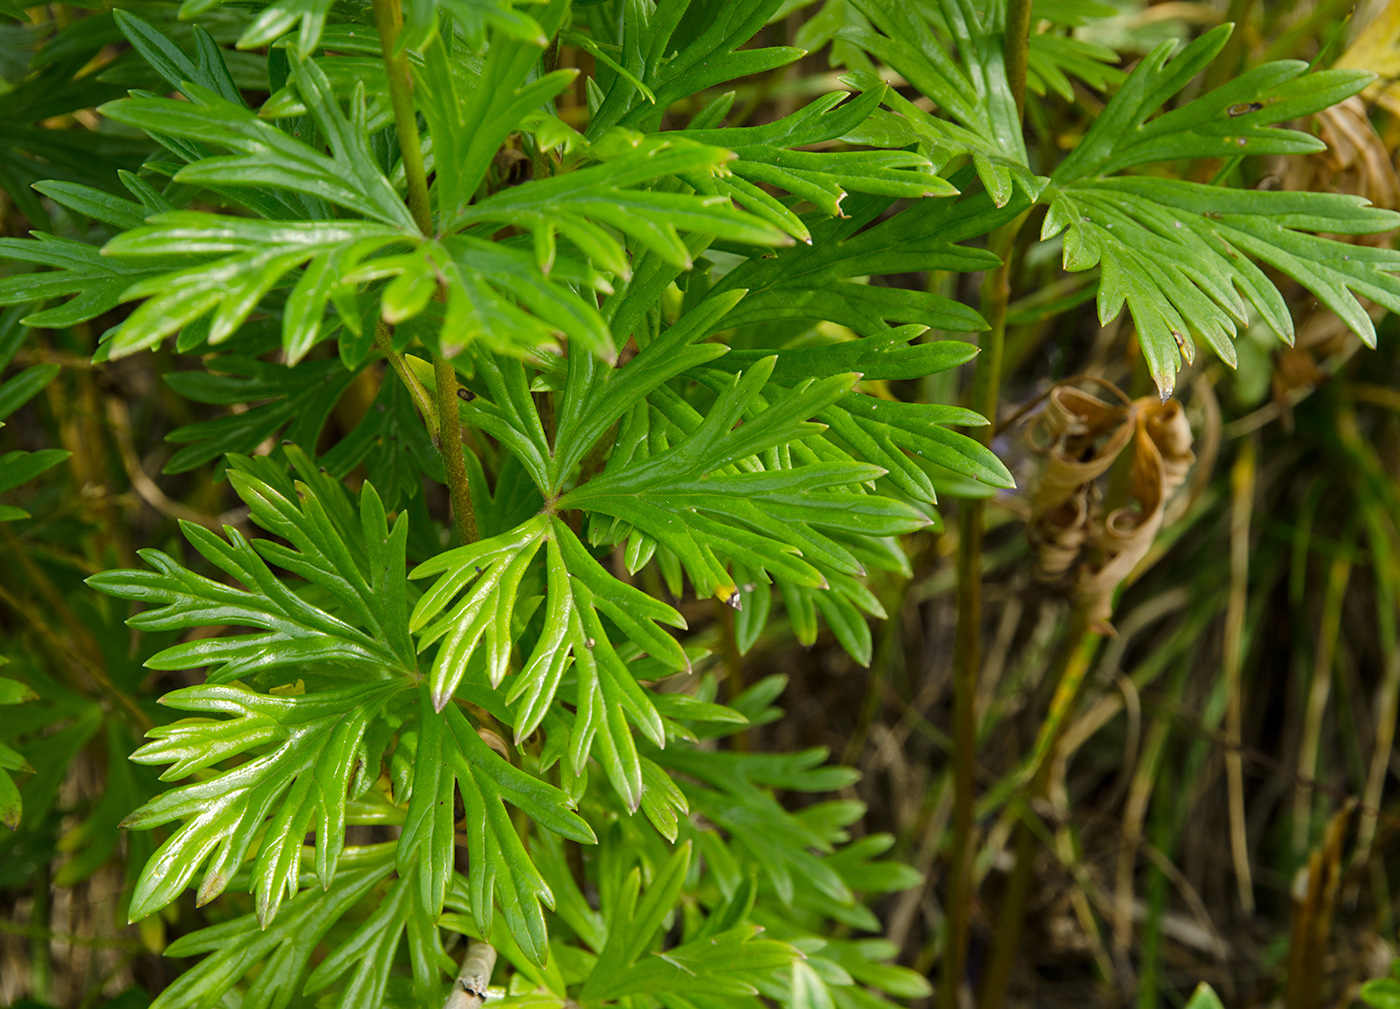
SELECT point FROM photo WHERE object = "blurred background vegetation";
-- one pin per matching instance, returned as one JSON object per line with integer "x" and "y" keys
{"x": 1220, "y": 806}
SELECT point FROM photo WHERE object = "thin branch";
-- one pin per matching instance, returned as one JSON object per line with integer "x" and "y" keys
{"x": 469, "y": 990}
{"x": 419, "y": 395}
{"x": 967, "y": 645}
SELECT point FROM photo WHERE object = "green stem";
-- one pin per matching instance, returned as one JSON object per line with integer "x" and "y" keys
{"x": 419, "y": 395}
{"x": 1018, "y": 48}
{"x": 388, "y": 18}
{"x": 449, "y": 444}
{"x": 967, "y": 645}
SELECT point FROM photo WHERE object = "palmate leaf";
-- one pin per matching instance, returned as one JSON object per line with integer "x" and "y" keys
{"x": 764, "y": 155}
{"x": 97, "y": 283}
{"x": 495, "y": 294}
{"x": 255, "y": 257}
{"x": 1179, "y": 253}
{"x": 730, "y": 964}
{"x": 1235, "y": 118}
{"x": 1054, "y": 58}
{"x": 969, "y": 88}
{"x": 450, "y": 756}
{"x": 595, "y": 398}
{"x": 284, "y": 948}
{"x": 308, "y": 754}
{"x": 263, "y": 155}
{"x": 729, "y": 789}
{"x": 360, "y": 568}
{"x": 671, "y": 66}
{"x": 815, "y": 281}
{"x": 876, "y": 430}
{"x": 314, "y": 745}
{"x": 577, "y": 205}
{"x": 298, "y": 401}
{"x": 881, "y": 431}
{"x": 470, "y": 609}
{"x": 692, "y": 500}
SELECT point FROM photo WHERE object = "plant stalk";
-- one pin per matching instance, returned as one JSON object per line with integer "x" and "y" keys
{"x": 1018, "y": 50}
{"x": 967, "y": 644}
{"x": 388, "y": 18}
{"x": 449, "y": 444}
{"x": 469, "y": 990}
{"x": 1242, "y": 485}
{"x": 416, "y": 392}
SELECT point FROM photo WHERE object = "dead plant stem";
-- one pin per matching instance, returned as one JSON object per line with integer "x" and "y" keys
{"x": 1072, "y": 663}
{"x": 1242, "y": 479}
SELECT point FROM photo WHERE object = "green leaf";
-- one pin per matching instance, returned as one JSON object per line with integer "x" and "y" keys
{"x": 21, "y": 388}
{"x": 779, "y": 843}
{"x": 494, "y": 294}
{"x": 255, "y": 256}
{"x": 968, "y": 84}
{"x": 814, "y": 281}
{"x": 451, "y": 756}
{"x": 171, "y": 63}
{"x": 673, "y": 68}
{"x": 632, "y": 927}
{"x": 777, "y": 519}
{"x": 95, "y": 203}
{"x": 489, "y": 571}
{"x": 763, "y": 155}
{"x": 393, "y": 446}
{"x": 79, "y": 269}
{"x": 296, "y": 401}
{"x": 365, "y": 631}
{"x": 369, "y": 953}
{"x": 265, "y": 155}
{"x": 1235, "y": 118}
{"x": 578, "y": 204}
{"x": 20, "y": 467}
{"x": 284, "y": 948}
{"x": 301, "y": 782}
{"x": 1380, "y": 993}
{"x": 469, "y": 121}
{"x": 1204, "y": 997}
{"x": 595, "y": 399}
{"x": 1178, "y": 254}
{"x": 888, "y": 354}
{"x": 483, "y": 579}
{"x": 732, "y": 963}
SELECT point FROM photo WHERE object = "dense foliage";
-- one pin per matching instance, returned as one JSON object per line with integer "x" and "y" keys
{"x": 517, "y": 338}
